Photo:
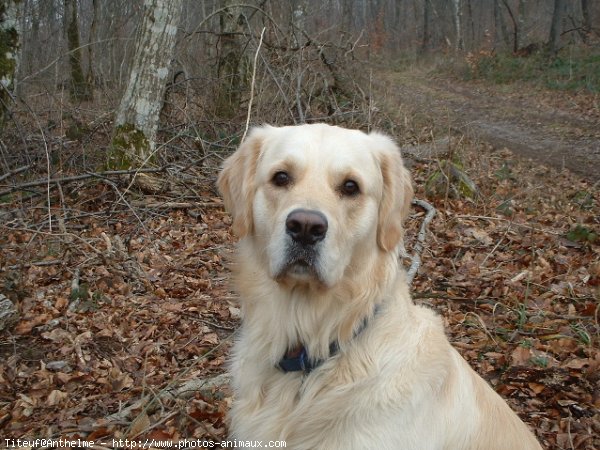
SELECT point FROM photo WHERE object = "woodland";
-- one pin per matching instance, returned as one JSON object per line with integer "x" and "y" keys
{"x": 116, "y": 307}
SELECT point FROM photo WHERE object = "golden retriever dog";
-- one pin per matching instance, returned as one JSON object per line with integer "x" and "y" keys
{"x": 332, "y": 352}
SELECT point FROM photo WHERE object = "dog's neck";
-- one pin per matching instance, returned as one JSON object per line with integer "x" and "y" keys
{"x": 310, "y": 317}
{"x": 297, "y": 359}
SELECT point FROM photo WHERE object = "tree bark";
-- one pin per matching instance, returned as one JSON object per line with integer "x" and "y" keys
{"x": 459, "y": 42}
{"x": 556, "y": 28}
{"x": 138, "y": 115}
{"x": 500, "y": 31}
{"x": 9, "y": 52}
{"x": 587, "y": 18}
{"x": 231, "y": 61}
{"x": 427, "y": 14}
{"x": 90, "y": 77}
{"x": 80, "y": 90}
{"x": 519, "y": 44}
{"x": 516, "y": 27}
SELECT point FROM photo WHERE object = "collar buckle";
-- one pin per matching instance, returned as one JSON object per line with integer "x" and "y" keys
{"x": 298, "y": 363}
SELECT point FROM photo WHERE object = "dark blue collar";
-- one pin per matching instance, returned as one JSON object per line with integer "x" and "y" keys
{"x": 298, "y": 360}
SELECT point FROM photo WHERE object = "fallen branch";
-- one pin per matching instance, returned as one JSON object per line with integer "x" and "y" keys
{"x": 415, "y": 261}
{"x": 511, "y": 223}
{"x": 150, "y": 402}
{"x": 54, "y": 181}
{"x": 176, "y": 205}
{"x": 15, "y": 172}
{"x": 53, "y": 262}
{"x": 184, "y": 391}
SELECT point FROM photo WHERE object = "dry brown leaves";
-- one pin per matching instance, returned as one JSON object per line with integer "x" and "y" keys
{"x": 520, "y": 290}
{"x": 152, "y": 310}
{"x": 519, "y": 294}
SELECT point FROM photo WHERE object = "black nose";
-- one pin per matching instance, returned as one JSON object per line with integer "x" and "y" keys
{"x": 306, "y": 227}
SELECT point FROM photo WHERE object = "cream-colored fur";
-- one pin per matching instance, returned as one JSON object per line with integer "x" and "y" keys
{"x": 398, "y": 384}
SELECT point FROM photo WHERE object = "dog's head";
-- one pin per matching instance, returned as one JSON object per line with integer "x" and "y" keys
{"x": 316, "y": 199}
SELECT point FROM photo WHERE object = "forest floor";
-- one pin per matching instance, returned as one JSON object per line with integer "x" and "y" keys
{"x": 125, "y": 305}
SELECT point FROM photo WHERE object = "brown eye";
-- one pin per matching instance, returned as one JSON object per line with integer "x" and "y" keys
{"x": 281, "y": 179}
{"x": 350, "y": 188}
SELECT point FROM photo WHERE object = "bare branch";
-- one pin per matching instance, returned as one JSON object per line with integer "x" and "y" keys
{"x": 85, "y": 176}
{"x": 14, "y": 172}
{"x": 418, "y": 248}
{"x": 252, "y": 83}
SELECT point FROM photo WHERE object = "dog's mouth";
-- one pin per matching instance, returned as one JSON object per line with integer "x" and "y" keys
{"x": 301, "y": 263}
{"x": 301, "y": 268}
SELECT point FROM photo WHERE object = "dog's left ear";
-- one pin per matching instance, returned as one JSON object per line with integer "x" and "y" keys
{"x": 236, "y": 182}
{"x": 397, "y": 193}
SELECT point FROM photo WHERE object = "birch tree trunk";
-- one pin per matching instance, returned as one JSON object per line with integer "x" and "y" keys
{"x": 138, "y": 115}
{"x": 9, "y": 52}
{"x": 459, "y": 43}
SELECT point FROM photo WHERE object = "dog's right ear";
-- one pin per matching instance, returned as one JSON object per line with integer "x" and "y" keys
{"x": 236, "y": 182}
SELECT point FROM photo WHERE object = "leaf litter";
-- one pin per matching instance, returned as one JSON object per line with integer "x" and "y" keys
{"x": 515, "y": 272}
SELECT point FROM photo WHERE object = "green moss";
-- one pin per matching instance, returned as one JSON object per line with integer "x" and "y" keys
{"x": 451, "y": 179}
{"x": 128, "y": 147}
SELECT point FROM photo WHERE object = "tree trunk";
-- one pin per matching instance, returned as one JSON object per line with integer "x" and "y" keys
{"x": 427, "y": 14}
{"x": 231, "y": 62}
{"x": 459, "y": 42}
{"x": 80, "y": 90}
{"x": 500, "y": 31}
{"x": 587, "y": 19}
{"x": 519, "y": 44}
{"x": 516, "y": 26}
{"x": 347, "y": 15}
{"x": 91, "y": 78}
{"x": 556, "y": 28}
{"x": 137, "y": 118}
{"x": 9, "y": 52}
{"x": 470, "y": 44}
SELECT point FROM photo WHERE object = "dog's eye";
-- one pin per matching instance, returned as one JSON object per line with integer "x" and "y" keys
{"x": 281, "y": 179}
{"x": 350, "y": 188}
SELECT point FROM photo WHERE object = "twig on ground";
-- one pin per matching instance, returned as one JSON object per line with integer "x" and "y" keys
{"x": 495, "y": 246}
{"x": 53, "y": 262}
{"x": 517, "y": 224}
{"x": 85, "y": 176}
{"x": 418, "y": 248}
{"x": 14, "y": 172}
{"x": 185, "y": 390}
{"x": 45, "y": 233}
{"x": 176, "y": 205}
{"x": 174, "y": 390}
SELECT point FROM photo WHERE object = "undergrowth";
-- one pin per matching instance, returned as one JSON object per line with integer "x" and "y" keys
{"x": 573, "y": 68}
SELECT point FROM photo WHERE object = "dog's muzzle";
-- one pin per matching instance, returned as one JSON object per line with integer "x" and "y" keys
{"x": 305, "y": 230}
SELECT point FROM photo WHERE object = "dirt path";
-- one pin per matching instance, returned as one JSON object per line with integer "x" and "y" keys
{"x": 537, "y": 125}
